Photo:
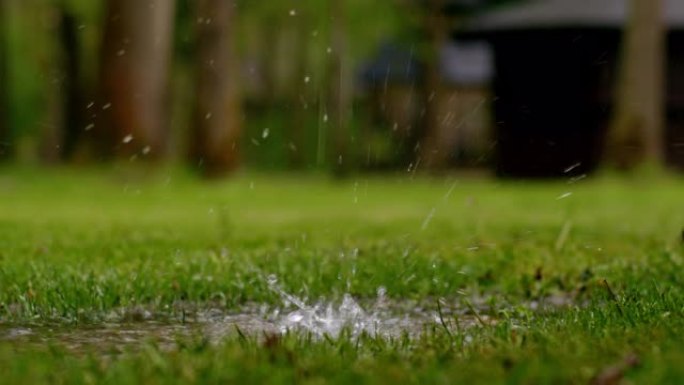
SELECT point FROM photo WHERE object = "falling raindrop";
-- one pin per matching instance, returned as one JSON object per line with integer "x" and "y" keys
{"x": 382, "y": 292}
{"x": 565, "y": 195}
{"x": 574, "y": 166}
{"x": 127, "y": 139}
{"x": 265, "y": 133}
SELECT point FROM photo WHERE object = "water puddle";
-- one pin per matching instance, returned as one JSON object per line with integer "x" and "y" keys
{"x": 378, "y": 317}
{"x": 104, "y": 338}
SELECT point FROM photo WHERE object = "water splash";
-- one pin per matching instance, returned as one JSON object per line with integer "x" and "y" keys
{"x": 332, "y": 319}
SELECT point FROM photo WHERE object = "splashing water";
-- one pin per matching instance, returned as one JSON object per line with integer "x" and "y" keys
{"x": 331, "y": 319}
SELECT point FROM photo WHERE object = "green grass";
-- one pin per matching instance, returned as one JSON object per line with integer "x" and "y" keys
{"x": 77, "y": 245}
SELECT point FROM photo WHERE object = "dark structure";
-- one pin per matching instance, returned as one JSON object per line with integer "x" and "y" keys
{"x": 556, "y": 63}
{"x": 675, "y": 98}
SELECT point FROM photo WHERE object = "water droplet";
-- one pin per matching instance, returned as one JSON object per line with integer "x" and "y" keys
{"x": 265, "y": 133}
{"x": 295, "y": 317}
{"x": 127, "y": 139}
{"x": 574, "y": 166}
{"x": 382, "y": 291}
{"x": 565, "y": 195}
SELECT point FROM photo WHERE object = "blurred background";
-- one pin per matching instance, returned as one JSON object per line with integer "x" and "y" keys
{"x": 518, "y": 88}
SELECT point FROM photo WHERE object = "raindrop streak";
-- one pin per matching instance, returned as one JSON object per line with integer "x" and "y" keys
{"x": 574, "y": 166}
{"x": 428, "y": 219}
{"x": 127, "y": 139}
{"x": 564, "y": 196}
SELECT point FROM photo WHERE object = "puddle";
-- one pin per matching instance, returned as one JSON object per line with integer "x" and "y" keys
{"x": 215, "y": 326}
{"x": 378, "y": 317}
{"x": 104, "y": 338}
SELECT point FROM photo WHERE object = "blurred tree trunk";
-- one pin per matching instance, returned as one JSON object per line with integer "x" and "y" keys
{"x": 217, "y": 122}
{"x": 636, "y": 134}
{"x": 432, "y": 153}
{"x": 72, "y": 91}
{"x": 134, "y": 78}
{"x": 300, "y": 103}
{"x": 339, "y": 90}
{"x": 6, "y": 148}
{"x": 63, "y": 127}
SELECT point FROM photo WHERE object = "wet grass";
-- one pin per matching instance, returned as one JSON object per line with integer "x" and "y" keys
{"x": 82, "y": 249}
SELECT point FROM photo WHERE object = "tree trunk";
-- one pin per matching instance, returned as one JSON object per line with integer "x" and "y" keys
{"x": 636, "y": 134}
{"x": 433, "y": 155}
{"x": 62, "y": 129}
{"x": 6, "y": 148}
{"x": 339, "y": 88}
{"x": 72, "y": 91}
{"x": 300, "y": 98}
{"x": 134, "y": 78}
{"x": 217, "y": 122}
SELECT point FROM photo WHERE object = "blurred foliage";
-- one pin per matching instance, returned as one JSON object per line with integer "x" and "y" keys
{"x": 35, "y": 62}
{"x": 270, "y": 29}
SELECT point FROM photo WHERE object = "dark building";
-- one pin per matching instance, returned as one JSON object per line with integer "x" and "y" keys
{"x": 556, "y": 63}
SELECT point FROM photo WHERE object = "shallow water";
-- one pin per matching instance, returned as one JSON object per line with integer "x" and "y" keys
{"x": 378, "y": 317}
{"x": 105, "y": 338}
{"x": 381, "y": 319}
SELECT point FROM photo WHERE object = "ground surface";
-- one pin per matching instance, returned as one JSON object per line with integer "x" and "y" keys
{"x": 570, "y": 282}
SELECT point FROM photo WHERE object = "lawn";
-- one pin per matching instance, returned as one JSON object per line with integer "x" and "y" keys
{"x": 129, "y": 277}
